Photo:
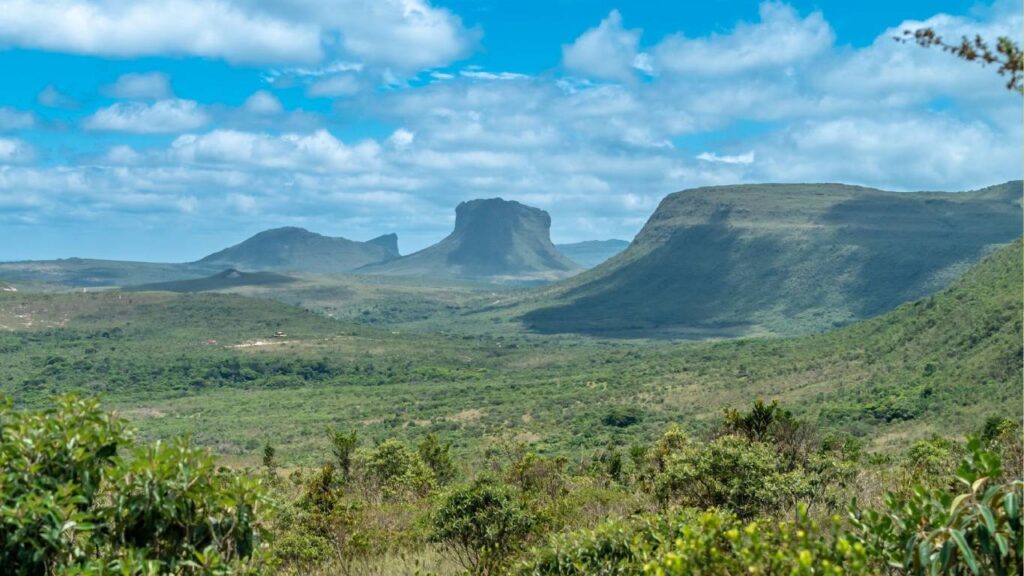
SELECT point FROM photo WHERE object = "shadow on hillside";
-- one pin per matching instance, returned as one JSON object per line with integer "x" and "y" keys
{"x": 676, "y": 290}
{"x": 905, "y": 250}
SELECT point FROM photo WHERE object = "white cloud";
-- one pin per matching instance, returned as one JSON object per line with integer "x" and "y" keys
{"x": 164, "y": 116}
{"x": 151, "y": 86}
{"x": 262, "y": 102}
{"x": 316, "y": 152}
{"x": 780, "y": 39}
{"x": 401, "y": 138}
{"x": 53, "y": 98}
{"x": 122, "y": 154}
{"x": 608, "y": 51}
{"x": 483, "y": 75}
{"x": 11, "y": 119}
{"x": 334, "y": 86}
{"x": 407, "y": 35}
{"x": 150, "y": 27}
{"x": 746, "y": 158}
{"x": 15, "y": 151}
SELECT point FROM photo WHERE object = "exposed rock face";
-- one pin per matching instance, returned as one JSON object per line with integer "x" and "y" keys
{"x": 493, "y": 239}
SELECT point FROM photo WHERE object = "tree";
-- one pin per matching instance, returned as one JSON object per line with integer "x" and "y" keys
{"x": 481, "y": 524}
{"x": 1005, "y": 53}
{"x": 343, "y": 445}
{"x": 437, "y": 457}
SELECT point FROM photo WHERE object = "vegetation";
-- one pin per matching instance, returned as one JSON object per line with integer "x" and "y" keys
{"x": 77, "y": 497}
{"x": 1004, "y": 52}
{"x": 784, "y": 259}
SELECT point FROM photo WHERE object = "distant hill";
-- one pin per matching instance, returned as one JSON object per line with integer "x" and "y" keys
{"x": 229, "y": 278}
{"x": 298, "y": 249}
{"x": 90, "y": 273}
{"x": 590, "y": 253}
{"x": 780, "y": 259}
{"x": 493, "y": 240}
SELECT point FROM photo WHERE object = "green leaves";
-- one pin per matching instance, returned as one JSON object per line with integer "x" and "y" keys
{"x": 69, "y": 503}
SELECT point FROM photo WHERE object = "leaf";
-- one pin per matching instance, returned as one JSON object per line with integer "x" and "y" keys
{"x": 956, "y": 503}
{"x": 965, "y": 550}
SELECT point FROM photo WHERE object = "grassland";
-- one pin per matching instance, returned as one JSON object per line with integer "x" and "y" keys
{"x": 210, "y": 365}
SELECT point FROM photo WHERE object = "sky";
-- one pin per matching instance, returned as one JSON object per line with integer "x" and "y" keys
{"x": 166, "y": 130}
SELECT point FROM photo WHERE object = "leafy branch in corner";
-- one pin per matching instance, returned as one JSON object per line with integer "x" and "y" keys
{"x": 1006, "y": 53}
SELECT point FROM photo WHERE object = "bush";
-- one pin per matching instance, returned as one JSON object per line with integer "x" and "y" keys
{"x": 481, "y": 525}
{"x": 939, "y": 531}
{"x": 729, "y": 472}
{"x": 694, "y": 542}
{"x": 69, "y": 503}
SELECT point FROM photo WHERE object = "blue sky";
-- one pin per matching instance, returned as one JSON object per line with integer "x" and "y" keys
{"x": 167, "y": 130}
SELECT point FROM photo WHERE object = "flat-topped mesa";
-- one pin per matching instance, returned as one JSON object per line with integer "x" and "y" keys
{"x": 781, "y": 259}
{"x": 493, "y": 239}
{"x": 297, "y": 249}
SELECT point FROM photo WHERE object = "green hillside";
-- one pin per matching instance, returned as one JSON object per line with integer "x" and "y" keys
{"x": 780, "y": 259}
{"x": 210, "y": 365}
{"x": 299, "y": 250}
{"x": 493, "y": 240}
{"x": 225, "y": 280}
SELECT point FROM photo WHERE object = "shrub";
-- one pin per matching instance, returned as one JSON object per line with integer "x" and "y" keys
{"x": 437, "y": 457}
{"x": 398, "y": 471}
{"x": 939, "y": 531}
{"x": 70, "y": 504}
{"x": 729, "y": 472}
{"x": 481, "y": 525}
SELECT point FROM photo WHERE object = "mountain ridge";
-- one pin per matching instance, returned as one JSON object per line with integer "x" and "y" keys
{"x": 780, "y": 259}
{"x": 494, "y": 240}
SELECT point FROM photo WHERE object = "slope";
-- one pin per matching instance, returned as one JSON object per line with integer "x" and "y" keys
{"x": 297, "y": 249}
{"x": 780, "y": 259}
{"x": 590, "y": 253}
{"x": 493, "y": 240}
{"x": 229, "y": 278}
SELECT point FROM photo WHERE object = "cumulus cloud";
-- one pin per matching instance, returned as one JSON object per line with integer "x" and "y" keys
{"x": 262, "y": 102}
{"x": 316, "y": 152}
{"x": 608, "y": 51}
{"x": 11, "y": 119}
{"x": 334, "y": 86}
{"x": 15, "y": 151}
{"x": 164, "y": 116}
{"x": 598, "y": 155}
{"x": 781, "y": 38}
{"x": 403, "y": 34}
{"x": 53, "y": 98}
{"x": 151, "y": 86}
{"x": 746, "y": 158}
{"x": 157, "y": 28}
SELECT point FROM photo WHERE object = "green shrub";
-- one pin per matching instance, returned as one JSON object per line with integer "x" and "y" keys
{"x": 481, "y": 525}
{"x": 69, "y": 503}
{"x": 730, "y": 472}
{"x": 975, "y": 531}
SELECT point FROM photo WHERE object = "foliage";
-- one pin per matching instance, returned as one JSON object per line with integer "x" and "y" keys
{"x": 70, "y": 503}
{"x": 1005, "y": 52}
{"x": 437, "y": 457}
{"x": 729, "y": 472}
{"x": 974, "y": 530}
{"x": 397, "y": 471}
{"x": 481, "y": 524}
{"x": 343, "y": 446}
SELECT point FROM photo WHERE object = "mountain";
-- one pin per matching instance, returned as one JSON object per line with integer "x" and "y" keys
{"x": 387, "y": 241}
{"x": 229, "y": 278}
{"x": 298, "y": 249}
{"x": 590, "y": 253}
{"x": 780, "y": 259}
{"x": 493, "y": 240}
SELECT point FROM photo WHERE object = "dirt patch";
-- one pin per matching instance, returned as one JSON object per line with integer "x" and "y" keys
{"x": 469, "y": 415}
{"x": 142, "y": 413}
